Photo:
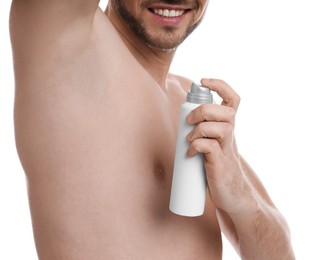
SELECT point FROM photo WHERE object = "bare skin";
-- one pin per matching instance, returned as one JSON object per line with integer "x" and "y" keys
{"x": 96, "y": 114}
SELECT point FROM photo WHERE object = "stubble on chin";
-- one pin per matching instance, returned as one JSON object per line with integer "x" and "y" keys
{"x": 166, "y": 38}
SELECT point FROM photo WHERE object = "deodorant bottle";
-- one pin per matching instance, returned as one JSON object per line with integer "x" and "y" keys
{"x": 189, "y": 184}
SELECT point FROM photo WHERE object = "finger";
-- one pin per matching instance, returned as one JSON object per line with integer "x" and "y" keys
{"x": 211, "y": 112}
{"x": 222, "y": 132}
{"x": 229, "y": 96}
{"x": 210, "y": 147}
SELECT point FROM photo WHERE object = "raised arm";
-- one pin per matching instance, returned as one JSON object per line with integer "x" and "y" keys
{"x": 39, "y": 27}
{"x": 42, "y": 17}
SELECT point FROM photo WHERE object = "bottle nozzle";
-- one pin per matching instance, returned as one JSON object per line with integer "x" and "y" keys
{"x": 199, "y": 94}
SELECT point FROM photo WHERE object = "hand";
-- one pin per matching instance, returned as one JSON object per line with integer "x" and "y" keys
{"x": 213, "y": 135}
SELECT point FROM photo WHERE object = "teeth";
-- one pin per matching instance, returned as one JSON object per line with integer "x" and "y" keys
{"x": 167, "y": 13}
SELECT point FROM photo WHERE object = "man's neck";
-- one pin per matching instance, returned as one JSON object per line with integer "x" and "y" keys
{"x": 156, "y": 62}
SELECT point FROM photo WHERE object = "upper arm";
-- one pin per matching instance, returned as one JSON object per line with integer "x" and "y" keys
{"x": 37, "y": 16}
{"x": 39, "y": 27}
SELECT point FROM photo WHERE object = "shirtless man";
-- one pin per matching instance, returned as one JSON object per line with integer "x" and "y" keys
{"x": 96, "y": 114}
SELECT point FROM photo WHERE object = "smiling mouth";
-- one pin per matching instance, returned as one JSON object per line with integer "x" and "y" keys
{"x": 173, "y": 13}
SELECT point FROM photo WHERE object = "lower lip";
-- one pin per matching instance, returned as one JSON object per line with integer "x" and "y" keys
{"x": 167, "y": 21}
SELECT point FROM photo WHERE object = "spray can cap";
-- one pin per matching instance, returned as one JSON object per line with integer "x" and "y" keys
{"x": 199, "y": 94}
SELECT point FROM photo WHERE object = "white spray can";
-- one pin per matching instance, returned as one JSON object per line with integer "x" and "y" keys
{"x": 189, "y": 184}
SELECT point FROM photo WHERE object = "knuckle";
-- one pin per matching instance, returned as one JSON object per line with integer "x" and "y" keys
{"x": 196, "y": 145}
{"x": 228, "y": 128}
{"x": 214, "y": 144}
{"x": 205, "y": 109}
{"x": 202, "y": 129}
{"x": 232, "y": 113}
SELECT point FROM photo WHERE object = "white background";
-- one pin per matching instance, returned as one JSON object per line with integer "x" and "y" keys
{"x": 269, "y": 52}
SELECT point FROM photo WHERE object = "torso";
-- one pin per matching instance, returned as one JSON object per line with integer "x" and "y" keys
{"x": 98, "y": 149}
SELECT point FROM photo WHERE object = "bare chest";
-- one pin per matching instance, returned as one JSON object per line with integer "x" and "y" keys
{"x": 101, "y": 156}
{"x": 141, "y": 131}
{"x": 135, "y": 148}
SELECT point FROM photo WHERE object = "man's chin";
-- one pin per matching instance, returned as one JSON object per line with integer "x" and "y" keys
{"x": 165, "y": 47}
{"x": 168, "y": 39}
{"x": 164, "y": 43}
{"x": 157, "y": 48}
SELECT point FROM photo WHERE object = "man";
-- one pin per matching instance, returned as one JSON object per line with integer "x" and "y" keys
{"x": 96, "y": 114}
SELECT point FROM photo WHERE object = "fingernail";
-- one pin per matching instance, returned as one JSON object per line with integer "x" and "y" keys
{"x": 205, "y": 80}
{"x": 190, "y": 153}
{"x": 189, "y": 137}
{"x": 189, "y": 117}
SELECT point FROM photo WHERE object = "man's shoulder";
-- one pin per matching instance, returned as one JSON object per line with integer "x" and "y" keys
{"x": 184, "y": 82}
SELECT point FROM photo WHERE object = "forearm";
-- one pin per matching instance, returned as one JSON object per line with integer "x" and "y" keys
{"x": 246, "y": 213}
{"x": 262, "y": 233}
